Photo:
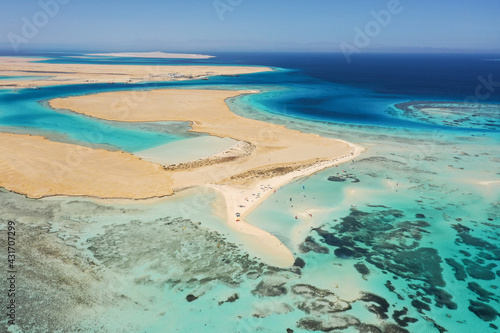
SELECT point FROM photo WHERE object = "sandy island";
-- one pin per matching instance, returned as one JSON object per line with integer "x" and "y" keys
{"x": 155, "y": 54}
{"x": 266, "y": 157}
{"x": 57, "y": 74}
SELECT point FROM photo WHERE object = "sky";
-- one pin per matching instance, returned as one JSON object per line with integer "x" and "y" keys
{"x": 251, "y": 25}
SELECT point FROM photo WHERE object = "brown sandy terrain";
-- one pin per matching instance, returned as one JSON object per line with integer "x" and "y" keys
{"x": 37, "y": 167}
{"x": 156, "y": 54}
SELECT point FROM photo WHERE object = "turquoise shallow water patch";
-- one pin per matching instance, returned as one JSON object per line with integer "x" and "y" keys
{"x": 25, "y": 110}
{"x": 187, "y": 150}
{"x": 418, "y": 229}
{"x": 453, "y": 114}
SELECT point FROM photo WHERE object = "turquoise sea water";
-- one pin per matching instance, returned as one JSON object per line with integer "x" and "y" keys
{"x": 403, "y": 239}
{"x": 26, "y": 111}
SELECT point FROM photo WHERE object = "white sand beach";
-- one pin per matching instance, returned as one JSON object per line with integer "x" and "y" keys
{"x": 155, "y": 54}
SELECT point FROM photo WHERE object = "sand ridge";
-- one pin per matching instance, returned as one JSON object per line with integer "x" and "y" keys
{"x": 154, "y": 54}
{"x": 57, "y": 74}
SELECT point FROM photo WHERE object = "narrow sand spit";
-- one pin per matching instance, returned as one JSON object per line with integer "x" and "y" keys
{"x": 156, "y": 54}
{"x": 57, "y": 74}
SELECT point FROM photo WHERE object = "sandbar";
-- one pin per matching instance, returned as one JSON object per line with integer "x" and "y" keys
{"x": 58, "y": 74}
{"x": 155, "y": 54}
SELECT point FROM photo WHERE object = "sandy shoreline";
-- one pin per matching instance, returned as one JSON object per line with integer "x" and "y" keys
{"x": 266, "y": 157}
{"x": 57, "y": 74}
{"x": 155, "y": 54}
{"x": 239, "y": 202}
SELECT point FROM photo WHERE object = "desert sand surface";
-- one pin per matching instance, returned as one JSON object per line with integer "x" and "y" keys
{"x": 37, "y": 167}
{"x": 57, "y": 74}
{"x": 155, "y": 54}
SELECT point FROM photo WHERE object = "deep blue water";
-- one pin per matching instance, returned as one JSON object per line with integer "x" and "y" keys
{"x": 444, "y": 75}
{"x": 326, "y": 87}
{"x": 451, "y": 75}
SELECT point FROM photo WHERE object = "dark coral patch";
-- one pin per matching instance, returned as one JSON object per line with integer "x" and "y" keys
{"x": 299, "y": 262}
{"x": 477, "y": 271}
{"x": 310, "y": 244}
{"x": 361, "y": 268}
{"x": 441, "y": 297}
{"x": 420, "y": 306}
{"x": 484, "y": 295}
{"x": 344, "y": 253}
{"x": 342, "y": 177}
{"x": 383, "y": 239}
{"x": 483, "y": 311}
{"x": 403, "y": 321}
{"x": 460, "y": 273}
{"x": 380, "y": 306}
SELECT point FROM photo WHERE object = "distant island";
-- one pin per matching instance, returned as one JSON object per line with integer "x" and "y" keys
{"x": 156, "y": 54}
